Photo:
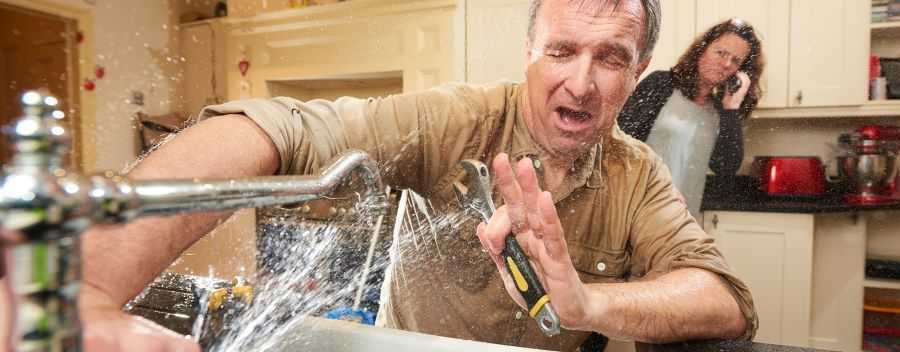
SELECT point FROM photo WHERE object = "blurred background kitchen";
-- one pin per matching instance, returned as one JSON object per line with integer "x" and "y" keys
{"x": 822, "y": 259}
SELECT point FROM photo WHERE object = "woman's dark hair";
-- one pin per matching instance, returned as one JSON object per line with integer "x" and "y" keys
{"x": 685, "y": 73}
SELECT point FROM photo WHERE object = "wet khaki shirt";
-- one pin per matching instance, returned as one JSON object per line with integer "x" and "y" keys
{"x": 621, "y": 218}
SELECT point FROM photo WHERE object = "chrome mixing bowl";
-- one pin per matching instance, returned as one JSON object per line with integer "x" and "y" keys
{"x": 869, "y": 174}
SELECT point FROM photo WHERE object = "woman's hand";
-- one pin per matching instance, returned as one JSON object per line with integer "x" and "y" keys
{"x": 531, "y": 215}
{"x": 733, "y": 101}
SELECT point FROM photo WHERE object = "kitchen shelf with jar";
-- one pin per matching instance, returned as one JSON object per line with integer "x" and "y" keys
{"x": 881, "y": 283}
{"x": 883, "y": 29}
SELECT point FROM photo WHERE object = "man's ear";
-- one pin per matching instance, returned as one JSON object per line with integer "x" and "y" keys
{"x": 642, "y": 66}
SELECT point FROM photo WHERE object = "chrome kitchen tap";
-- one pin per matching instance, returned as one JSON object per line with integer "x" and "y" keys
{"x": 44, "y": 207}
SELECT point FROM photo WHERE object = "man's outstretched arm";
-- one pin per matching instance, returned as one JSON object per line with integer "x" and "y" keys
{"x": 119, "y": 261}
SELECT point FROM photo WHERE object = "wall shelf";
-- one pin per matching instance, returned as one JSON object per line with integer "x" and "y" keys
{"x": 885, "y": 29}
{"x": 867, "y": 109}
{"x": 882, "y": 283}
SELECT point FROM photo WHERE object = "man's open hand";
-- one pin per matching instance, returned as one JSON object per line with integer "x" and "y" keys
{"x": 531, "y": 215}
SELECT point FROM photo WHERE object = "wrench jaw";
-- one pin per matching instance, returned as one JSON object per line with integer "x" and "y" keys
{"x": 475, "y": 195}
{"x": 547, "y": 320}
{"x": 470, "y": 203}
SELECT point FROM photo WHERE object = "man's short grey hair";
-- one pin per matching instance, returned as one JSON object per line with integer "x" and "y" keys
{"x": 652, "y": 14}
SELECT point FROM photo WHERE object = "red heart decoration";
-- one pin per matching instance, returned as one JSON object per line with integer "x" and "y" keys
{"x": 243, "y": 66}
{"x": 89, "y": 85}
{"x": 100, "y": 72}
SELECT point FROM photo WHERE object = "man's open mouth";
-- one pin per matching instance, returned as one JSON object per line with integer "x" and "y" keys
{"x": 570, "y": 115}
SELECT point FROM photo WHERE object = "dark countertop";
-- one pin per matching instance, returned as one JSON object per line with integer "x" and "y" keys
{"x": 724, "y": 346}
{"x": 737, "y": 193}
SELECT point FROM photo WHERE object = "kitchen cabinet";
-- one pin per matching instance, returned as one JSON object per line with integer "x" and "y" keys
{"x": 773, "y": 254}
{"x": 805, "y": 272}
{"x": 677, "y": 31}
{"x": 771, "y": 19}
{"x": 816, "y": 51}
{"x": 495, "y": 40}
{"x": 202, "y": 46}
{"x": 829, "y": 52}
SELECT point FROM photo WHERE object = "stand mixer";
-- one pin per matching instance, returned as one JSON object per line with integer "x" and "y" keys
{"x": 870, "y": 164}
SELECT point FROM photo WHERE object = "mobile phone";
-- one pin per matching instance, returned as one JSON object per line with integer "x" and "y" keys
{"x": 731, "y": 84}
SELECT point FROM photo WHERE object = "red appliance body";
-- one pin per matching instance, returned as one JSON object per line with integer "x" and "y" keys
{"x": 789, "y": 175}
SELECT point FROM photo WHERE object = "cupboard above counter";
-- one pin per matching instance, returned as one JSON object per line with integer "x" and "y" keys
{"x": 816, "y": 52}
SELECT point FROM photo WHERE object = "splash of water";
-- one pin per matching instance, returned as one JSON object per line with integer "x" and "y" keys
{"x": 303, "y": 283}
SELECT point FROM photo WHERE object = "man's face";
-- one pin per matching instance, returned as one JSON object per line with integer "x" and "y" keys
{"x": 582, "y": 66}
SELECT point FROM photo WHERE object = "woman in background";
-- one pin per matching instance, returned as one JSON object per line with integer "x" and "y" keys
{"x": 692, "y": 115}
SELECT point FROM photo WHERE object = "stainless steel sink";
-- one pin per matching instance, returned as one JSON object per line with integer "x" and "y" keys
{"x": 319, "y": 334}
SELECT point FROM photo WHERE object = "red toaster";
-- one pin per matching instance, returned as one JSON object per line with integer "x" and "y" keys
{"x": 789, "y": 175}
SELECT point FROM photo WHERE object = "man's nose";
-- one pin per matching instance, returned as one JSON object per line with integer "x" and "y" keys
{"x": 580, "y": 83}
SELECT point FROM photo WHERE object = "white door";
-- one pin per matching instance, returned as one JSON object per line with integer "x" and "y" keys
{"x": 676, "y": 33}
{"x": 495, "y": 40}
{"x": 771, "y": 20}
{"x": 829, "y": 52}
{"x": 772, "y": 253}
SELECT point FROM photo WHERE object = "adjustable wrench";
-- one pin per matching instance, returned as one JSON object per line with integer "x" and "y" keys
{"x": 476, "y": 197}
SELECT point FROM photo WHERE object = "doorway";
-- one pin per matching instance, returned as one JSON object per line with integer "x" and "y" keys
{"x": 38, "y": 51}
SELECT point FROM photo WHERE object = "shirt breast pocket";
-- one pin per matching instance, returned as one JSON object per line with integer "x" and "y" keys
{"x": 599, "y": 264}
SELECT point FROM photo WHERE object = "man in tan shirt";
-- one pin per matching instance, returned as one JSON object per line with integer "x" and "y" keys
{"x": 616, "y": 250}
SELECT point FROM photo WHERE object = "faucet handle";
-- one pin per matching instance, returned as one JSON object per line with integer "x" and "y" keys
{"x": 38, "y": 130}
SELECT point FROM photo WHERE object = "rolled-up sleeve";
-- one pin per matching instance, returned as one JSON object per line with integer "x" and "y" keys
{"x": 665, "y": 237}
{"x": 414, "y": 137}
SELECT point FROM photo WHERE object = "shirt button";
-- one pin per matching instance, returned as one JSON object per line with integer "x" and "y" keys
{"x": 519, "y": 315}
{"x": 601, "y": 266}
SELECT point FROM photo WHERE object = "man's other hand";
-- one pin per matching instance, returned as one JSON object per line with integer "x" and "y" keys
{"x": 107, "y": 328}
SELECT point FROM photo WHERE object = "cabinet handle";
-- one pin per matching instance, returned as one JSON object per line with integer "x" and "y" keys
{"x": 800, "y": 97}
{"x": 715, "y": 221}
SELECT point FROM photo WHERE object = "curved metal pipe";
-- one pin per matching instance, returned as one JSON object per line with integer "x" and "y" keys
{"x": 168, "y": 197}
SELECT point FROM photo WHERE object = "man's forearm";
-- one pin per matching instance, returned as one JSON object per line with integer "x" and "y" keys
{"x": 682, "y": 305}
{"x": 118, "y": 261}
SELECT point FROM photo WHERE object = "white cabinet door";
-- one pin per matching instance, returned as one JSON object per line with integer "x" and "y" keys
{"x": 495, "y": 40}
{"x": 829, "y": 52}
{"x": 771, "y": 19}
{"x": 773, "y": 254}
{"x": 204, "y": 76}
{"x": 676, "y": 33}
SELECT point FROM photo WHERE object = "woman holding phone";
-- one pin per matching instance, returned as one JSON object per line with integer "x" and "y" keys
{"x": 692, "y": 115}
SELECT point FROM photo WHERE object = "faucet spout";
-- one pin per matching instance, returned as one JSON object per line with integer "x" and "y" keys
{"x": 168, "y": 197}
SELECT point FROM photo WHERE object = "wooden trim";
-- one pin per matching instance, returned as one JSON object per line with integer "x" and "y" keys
{"x": 882, "y": 283}
{"x": 84, "y": 153}
{"x": 329, "y": 15}
{"x": 868, "y": 109}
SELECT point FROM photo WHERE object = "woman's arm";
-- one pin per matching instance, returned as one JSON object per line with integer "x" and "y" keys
{"x": 728, "y": 152}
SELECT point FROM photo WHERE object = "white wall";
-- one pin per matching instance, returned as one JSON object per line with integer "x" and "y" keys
{"x": 134, "y": 41}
